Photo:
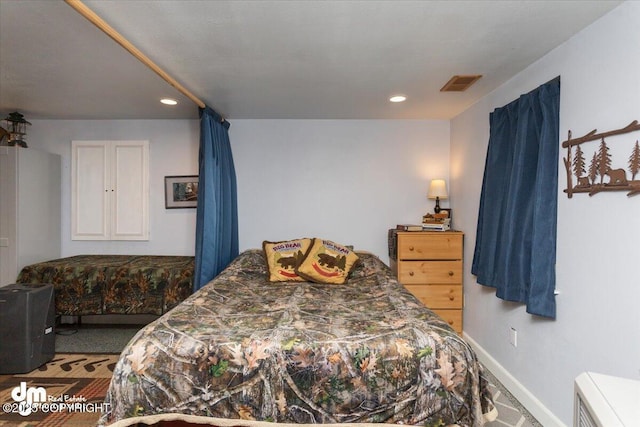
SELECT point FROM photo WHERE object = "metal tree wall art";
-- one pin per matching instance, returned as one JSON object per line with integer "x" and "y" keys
{"x": 598, "y": 173}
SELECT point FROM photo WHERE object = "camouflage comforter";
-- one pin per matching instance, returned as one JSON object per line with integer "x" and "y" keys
{"x": 298, "y": 352}
{"x": 114, "y": 284}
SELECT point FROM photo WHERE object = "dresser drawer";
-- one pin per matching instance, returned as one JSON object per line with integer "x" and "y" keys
{"x": 428, "y": 246}
{"x": 428, "y": 272}
{"x": 438, "y": 296}
{"x": 452, "y": 317}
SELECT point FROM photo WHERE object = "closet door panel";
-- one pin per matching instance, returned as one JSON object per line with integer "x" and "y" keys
{"x": 90, "y": 191}
{"x": 130, "y": 191}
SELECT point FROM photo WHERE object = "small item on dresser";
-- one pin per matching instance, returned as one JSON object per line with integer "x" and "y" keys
{"x": 409, "y": 227}
{"x": 439, "y": 217}
{"x": 437, "y": 226}
{"x": 437, "y": 222}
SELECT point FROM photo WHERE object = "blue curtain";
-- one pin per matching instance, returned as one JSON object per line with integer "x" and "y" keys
{"x": 217, "y": 214}
{"x": 515, "y": 248}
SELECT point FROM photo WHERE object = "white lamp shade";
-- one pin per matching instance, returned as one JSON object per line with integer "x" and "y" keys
{"x": 437, "y": 188}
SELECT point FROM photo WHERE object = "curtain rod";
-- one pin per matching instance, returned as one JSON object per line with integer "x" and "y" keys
{"x": 118, "y": 38}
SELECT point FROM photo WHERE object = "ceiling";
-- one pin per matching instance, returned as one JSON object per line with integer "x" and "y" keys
{"x": 273, "y": 59}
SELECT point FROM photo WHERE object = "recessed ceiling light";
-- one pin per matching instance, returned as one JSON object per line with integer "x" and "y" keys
{"x": 169, "y": 101}
{"x": 398, "y": 98}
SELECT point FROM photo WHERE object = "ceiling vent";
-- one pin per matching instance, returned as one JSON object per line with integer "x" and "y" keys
{"x": 460, "y": 83}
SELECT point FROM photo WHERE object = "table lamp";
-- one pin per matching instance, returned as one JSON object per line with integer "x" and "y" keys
{"x": 437, "y": 190}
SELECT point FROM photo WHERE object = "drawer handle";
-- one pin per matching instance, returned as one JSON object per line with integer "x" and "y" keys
{"x": 451, "y": 295}
{"x": 451, "y": 322}
{"x": 450, "y": 273}
{"x": 411, "y": 248}
{"x": 411, "y": 273}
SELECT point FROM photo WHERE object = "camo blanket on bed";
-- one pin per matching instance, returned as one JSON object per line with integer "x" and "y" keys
{"x": 299, "y": 352}
{"x": 114, "y": 284}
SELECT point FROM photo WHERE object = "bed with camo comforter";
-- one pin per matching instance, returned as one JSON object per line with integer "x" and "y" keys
{"x": 114, "y": 284}
{"x": 243, "y": 351}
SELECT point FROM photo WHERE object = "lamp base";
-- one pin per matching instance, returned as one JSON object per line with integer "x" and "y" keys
{"x": 437, "y": 208}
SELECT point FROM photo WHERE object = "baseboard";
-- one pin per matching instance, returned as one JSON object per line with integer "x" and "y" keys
{"x": 520, "y": 392}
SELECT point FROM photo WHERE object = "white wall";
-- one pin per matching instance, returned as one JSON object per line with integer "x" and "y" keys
{"x": 173, "y": 150}
{"x": 598, "y": 322}
{"x": 344, "y": 180}
{"x": 347, "y": 180}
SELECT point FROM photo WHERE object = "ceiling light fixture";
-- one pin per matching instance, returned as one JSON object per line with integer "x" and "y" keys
{"x": 169, "y": 101}
{"x": 398, "y": 98}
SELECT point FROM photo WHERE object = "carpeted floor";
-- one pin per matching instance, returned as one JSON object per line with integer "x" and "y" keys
{"x": 87, "y": 375}
{"x": 94, "y": 338}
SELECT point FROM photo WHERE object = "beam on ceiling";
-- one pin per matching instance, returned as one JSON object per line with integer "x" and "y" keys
{"x": 118, "y": 38}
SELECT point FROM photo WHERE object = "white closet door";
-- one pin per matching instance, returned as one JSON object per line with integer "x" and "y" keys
{"x": 90, "y": 189}
{"x": 110, "y": 190}
{"x": 130, "y": 188}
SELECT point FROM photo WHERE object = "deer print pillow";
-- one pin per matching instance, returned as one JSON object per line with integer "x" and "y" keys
{"x": 327, "y": 262}
{"x": 284, "y": 257}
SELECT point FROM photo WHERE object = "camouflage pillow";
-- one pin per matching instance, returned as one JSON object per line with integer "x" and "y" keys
{"x": 327, "y": 262}
{"x": 284, "y": 257}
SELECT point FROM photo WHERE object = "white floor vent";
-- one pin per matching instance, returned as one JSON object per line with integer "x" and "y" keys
{"x": 606, "y": 401}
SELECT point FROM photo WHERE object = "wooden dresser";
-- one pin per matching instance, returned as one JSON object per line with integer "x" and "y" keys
{"x": 429, "y": 265}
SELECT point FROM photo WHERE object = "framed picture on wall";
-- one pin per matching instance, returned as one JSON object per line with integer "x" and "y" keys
{"x": 180, "y": 191}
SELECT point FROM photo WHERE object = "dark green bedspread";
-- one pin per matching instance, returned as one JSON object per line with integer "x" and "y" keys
{"x": 114, "y": 284}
